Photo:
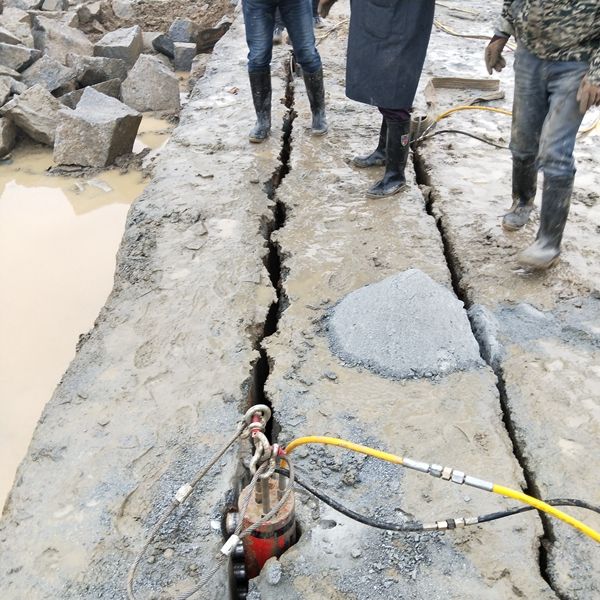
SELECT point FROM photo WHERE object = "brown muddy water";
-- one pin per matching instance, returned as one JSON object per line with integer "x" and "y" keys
{"x": 58, "y": 241}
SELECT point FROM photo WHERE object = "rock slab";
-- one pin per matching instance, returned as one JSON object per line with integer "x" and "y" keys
{"x": 57, "y": 39}
{"x": 405, "y": 326}
{"x": 151, "y": 86}
{"x": 17, "y": 57}
{"x": 50, "y": 73}
{"x": 99, "y": 130}
{"x": 111, "y": 88}
{"x": 126, "y": 43}
{"x": 36, "y": 113}
{"x": 184, "y": 56}
{"x": 91, "y": 70}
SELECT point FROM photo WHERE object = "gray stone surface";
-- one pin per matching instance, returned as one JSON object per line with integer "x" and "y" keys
{"x": 148, "y": 38}
{"x": 86, "y": 13}
{"x": 15, "y": 86}
{"x": 50, "y": 73}
{"x": 95, "y": 69}
{"x": 57, "y": 39}
{"x": 8, "y": 133}
{"x": 184, "y": 54}
{"x": 124, "y": 9}
{"x": 5, "y": 89}
{"x": 151, "y": 86}
{"x": 99, "y": 130}
{"x": 183, "y": 30}
{"x": 404, "y": 326}
{"x": 6, "y": 37}
{"x": 23, "y": 4}
{"x": 111, "y": 88}
{"x": 35, "y": 112}
{"x": 198, "y": 69}
{"x": 8, "y": 72}
{"x": 55, "y": 5}
{"x": 17, "y": 57}
{"x": 126, "y": 43}
{"x": 17, "y": 22}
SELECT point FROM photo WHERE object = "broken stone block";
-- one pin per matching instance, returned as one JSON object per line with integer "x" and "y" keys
{"x": 18, "y": 23}
{"x": 99, "y": 130}
{"x": 198, "y": 69}
{"x": 6, "y": 37}
{"x": 5, "y": 90}
{"x": 23, "y": 4}
{"x": 8, "y": 72}
{"x": 183, "y": 30}
{"x": 54, "y": 76}
{"x": 184, "y": 56}
{"x": 125, "y": 43}
{"x": 207, "y": 38}
{"x": 17, "y": 57}
{"x": 35, "y": 112}
{"x": 111, "y": 88}
{"x": 163, "y": 44}
{"x": 123, "y": 9}
{"x": 57, "y": 39}
{"x": 55, "y": 5}
{"x": 16, "y": 87}
{"x": 86, "y": 13}
{"x": 8, "y": 134}
{"x": 150, "y": 86}
{"x": 148, "y": 38}
{"x": 90, "y": 70}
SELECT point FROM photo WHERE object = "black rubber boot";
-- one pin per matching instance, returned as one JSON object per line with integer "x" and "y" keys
{"x": 524, "y": 187}
{"x": 377, "y": 157}
{"x": 556, "y": 201}
{"x": 396, "y": 155}
{"x": 316, "y": 97}
{"x": 260, "y": 84}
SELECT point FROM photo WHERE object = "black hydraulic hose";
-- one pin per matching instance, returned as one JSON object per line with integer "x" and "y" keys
{"x": 417, "y": 526}
{"x": 461, "y": 132}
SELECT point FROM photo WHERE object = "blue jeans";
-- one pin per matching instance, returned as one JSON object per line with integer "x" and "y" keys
{"x": 259, "y": 17}
{"x": 546, "y": 114}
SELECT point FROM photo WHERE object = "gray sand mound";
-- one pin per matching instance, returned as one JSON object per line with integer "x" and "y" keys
{"x": 404, "y": 326}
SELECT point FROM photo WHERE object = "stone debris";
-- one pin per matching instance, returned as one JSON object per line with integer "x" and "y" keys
{"x": 90, "y": 70}
{"x": 183, "y": 30}
{"x": 57, "y": 39}
{"x": 111, "y": 88}
{"x": 18, "y": 23}
{"x": 23, "y": 4}
{"x": 86, "y": 13}
{"x": 17, "y": 57}
{"x": 36, "y": 113}
{"x": 151, "y": 86}
{"x": 123, "y": 9}
{"x": 209, "y": 37}
{"x": 8, "y": 72}
{"x": 54, "y": 76}
{"x": 198, "y": 69}
{"x": 99, "y": 130}
{"x": 8, "y": 133}
{"x": 14, "y": 86}
{"x": 403, "y": 327}
{"x": 126, "y": 43}
{"x": 184, "y": 55}
{"x": 6, "y": 37}
{"x": 55, "y": 5}
{"x": 5, "y": 90}
{"x": 163, "y": 44}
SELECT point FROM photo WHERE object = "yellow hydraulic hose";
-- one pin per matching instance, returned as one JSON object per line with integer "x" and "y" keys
{"x": 449, "y": 474}
{"x": 551, "y": 510}
{"x": 450, "y": 111}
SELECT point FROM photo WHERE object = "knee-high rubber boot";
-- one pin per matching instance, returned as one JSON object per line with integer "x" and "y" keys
{"x": 524, "y": 187}
{"x": 315, "y": 91}
{"x": 556, "y": 201}
{"x": 260, "y": 84}
{"x": 396, "y": 155}
{"x": 377, "y": 157}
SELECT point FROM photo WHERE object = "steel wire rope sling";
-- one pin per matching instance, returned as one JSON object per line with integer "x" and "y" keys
{"x": 251, "y": 424}
{"x": 453, "y": 475}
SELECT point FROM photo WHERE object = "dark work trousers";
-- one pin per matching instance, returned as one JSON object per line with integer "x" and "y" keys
{"x": 259, "y": 19}
{"x": 395, "y": 114}
{"x": 279, "y": 21}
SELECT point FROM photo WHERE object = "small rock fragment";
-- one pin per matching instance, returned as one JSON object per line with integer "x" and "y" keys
{"x": 55, "y": 5}
{"x": 23, "y": 4}
{"x": 54, "y": 76}
{"x": 125, "y": 43}
{"x": 36, "y": 113}
{"x": 184, "y": 56}
{"x": 151, "y": 86}
{"x": 18, "y": 23}
{"x": 183, "y": 30}
{"x": 163, "y": 44}
{"x": 99, "y": 130}
{"x": 17, "y": 57}
{"x": 57, "y": 39}
{"x": 6, "y": 37}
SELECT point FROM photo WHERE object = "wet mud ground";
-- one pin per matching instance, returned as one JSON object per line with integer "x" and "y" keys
{"x": 159, "y": 382}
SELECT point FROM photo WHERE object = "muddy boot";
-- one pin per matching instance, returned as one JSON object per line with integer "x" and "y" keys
{"x": 396, "y": 155}
{"x": 260, "y": 84}
{"x": 556, "y": 200}
{"x": 316, "y": 98}
{"x": 377, "y": 157}
{"x": 524, "y": 187}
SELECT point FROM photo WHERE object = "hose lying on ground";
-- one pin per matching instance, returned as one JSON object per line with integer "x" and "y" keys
{"x": 449, "y": 474}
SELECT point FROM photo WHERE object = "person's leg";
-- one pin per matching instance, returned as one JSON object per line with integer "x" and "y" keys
{"x": 397, "y": 148}
{"x": 317, "y": 20}
{"x": 530, "y": 106}
{"x": 279, "y": 28}
{"x": 259, "y": 17}
{"x": 297, "y": 16}
{"x": 556, "y": 161}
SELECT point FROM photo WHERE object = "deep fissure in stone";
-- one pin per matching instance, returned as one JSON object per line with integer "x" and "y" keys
{"x": 453, "y": 263}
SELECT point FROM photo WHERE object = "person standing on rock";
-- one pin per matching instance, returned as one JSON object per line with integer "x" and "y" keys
{"x": 557, "y": 79}
{"x": 259, "y": 19}
{"x": 280, "y": 27}
{"x": 387, "y": 43}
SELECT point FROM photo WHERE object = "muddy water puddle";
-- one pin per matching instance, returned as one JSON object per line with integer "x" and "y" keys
{"x": 58, "y": 241}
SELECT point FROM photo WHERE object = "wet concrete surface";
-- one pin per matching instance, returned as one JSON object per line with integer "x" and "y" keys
{"x": 160, "y": 381}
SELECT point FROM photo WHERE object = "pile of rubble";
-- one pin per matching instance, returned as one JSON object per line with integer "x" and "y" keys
{"x": 84, "y": 97}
